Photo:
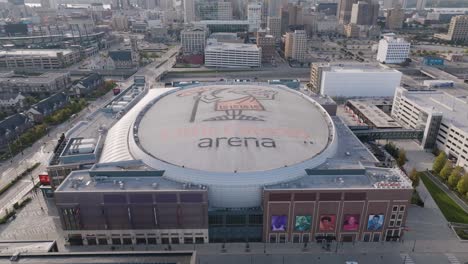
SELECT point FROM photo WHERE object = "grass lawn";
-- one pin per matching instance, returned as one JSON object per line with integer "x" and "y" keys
{"x": 451, "y": 210}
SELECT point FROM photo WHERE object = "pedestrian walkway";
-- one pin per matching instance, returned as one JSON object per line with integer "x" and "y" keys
{"x": 452, "y": 259}
{"x": 407, "y": 259}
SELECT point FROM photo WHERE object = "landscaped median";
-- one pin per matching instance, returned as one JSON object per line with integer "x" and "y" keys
{"x": 451, "y": 210}
{"x": 19, "y": 177}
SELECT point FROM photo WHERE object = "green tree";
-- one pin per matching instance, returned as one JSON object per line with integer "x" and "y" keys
{"x": 414, "y": 177}
{"x": 401, "y": 160}
{"x": 446, "y": 170}
{"x": 439, "y": 162}
{"x": 391, "y": 149}
{"x": 462, "y": 186}
{"x": 455, "y": 176}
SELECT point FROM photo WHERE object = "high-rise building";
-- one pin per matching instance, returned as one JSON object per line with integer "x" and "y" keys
{"x": 120, "y": 22}
{"x": 395, "y": 18}
{"x": 360, "y": 13}
{"x": 458, "y": 29}
{"x": 392, "y": 49}
{"x": 316, "y": 71}
{"x": 273, "y": 7}
{"x": 296, "y": 45}
{"x": 420, "y": 4}
{"x": 147, "y": 4}
{"x": 365, "y": 13}
{"x": 117, "y": 4}
{"x": 344, "y": 10}
{"x": 49, "y": 4}
{"x": 352, "y": 30}
{"x": 193, "y": 40}
{"x": 224, "y": 10}
{"x": 388, "y": 3}
{"x": 213, "y": 10}
{"x": 274, "y": 27}
{"x": 254, "y": 16}
{"x": 295, "y": 14}
{"x": 267, "y": 43}
{"x": 291, "y": 16}
{"x": 189, "y": 11}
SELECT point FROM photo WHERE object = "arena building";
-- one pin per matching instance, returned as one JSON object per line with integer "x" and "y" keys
{"x": 232, "y": 162}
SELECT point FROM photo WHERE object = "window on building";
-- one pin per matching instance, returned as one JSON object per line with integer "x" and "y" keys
{"x": 376, "y": 237}
{"x": 255, "y": 219}
{"x": 116, "y": 241}
{"x": 272, "y": 238}
{"x": 91, "y": 241}
{"x": 366, "y": 237}
{"x": 398, "y": 223}
{"x": 127, "y": 241}
{"x": 152, "y": 241}
{"x": 235, "y": 219}
{"x": 282, "y": 238}
{"x": 215, "y": 220}
{"x": 296, "y": 238}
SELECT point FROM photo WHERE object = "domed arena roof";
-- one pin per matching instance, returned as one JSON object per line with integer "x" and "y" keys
{"x": 232, "y": 128}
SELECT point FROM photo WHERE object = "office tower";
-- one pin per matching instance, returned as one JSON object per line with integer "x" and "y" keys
{"x": 193, "y": 40}
{"x": 224, "y": 10}
{"x": 296, "y": 45}
{"x": 392, "y": 49}
{"x": 268, "y": 44}
{"x": 189, "y": 11}
{"x": 420, "y": 4}
{"x": 254, "y": 16}
{"x": 274, "y": 27}
{"x": 316, "y": 71}
{"x": 395, "y": 18}
{"x": 360, "y": 13}
{"x": 364, "y": 13}
{"x": 344, "y": 10}
{"x": 458, "y": 29}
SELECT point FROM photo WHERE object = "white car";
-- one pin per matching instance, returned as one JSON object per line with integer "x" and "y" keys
{"x": 351, "y": 262}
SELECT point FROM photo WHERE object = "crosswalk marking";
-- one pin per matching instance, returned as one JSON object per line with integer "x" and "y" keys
{"x": 407, "y": 259}
{"x": 452, "y": 259}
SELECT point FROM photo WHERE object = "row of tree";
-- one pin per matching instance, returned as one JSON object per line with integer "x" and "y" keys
{"x": 36, "y": 132}
{"x": 454, "y": 176}
{"x": 65, "y": 113}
